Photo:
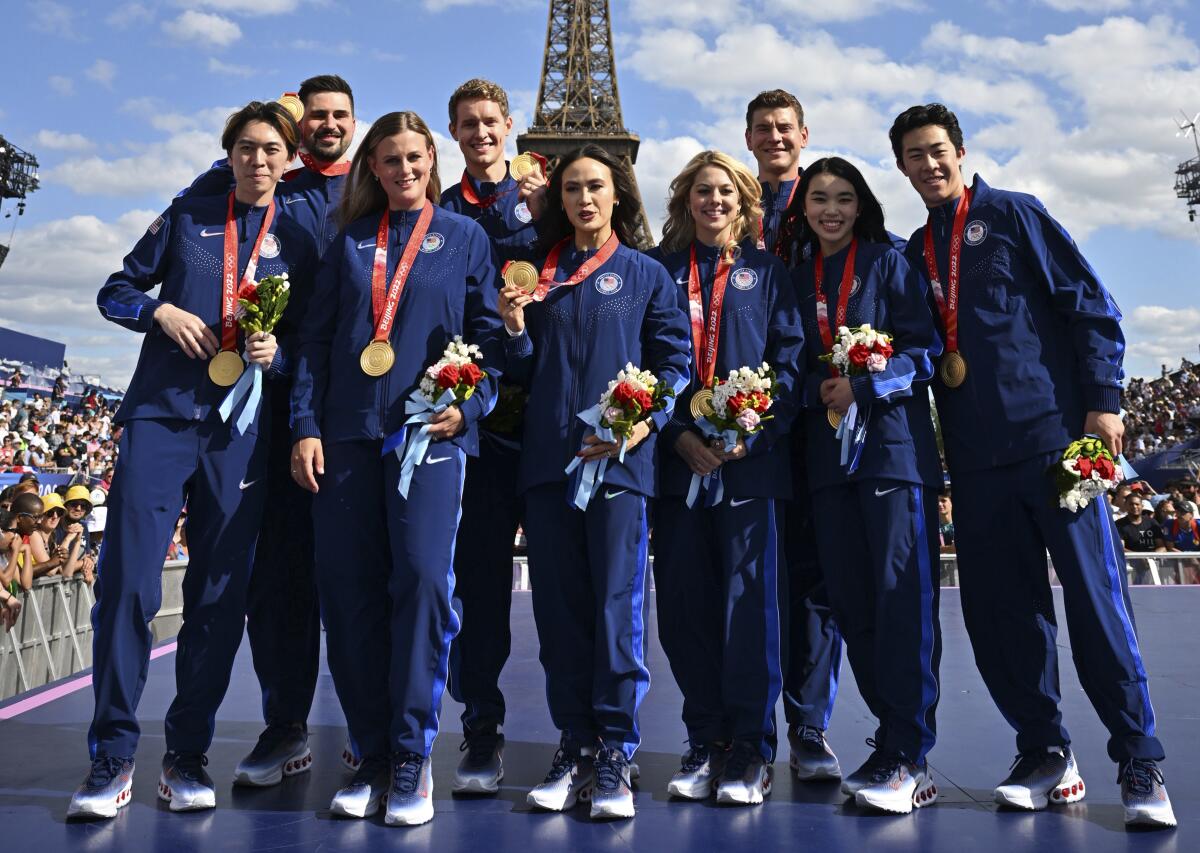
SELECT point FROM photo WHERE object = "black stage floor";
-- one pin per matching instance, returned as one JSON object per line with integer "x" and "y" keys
{"x": 43, "y": 757}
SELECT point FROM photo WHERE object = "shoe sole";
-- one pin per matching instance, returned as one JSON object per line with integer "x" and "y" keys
{"x": 612, "y": 813}
{"x": 293, "y": 766}
{"x": 581, "y": 795}
{"x": 814, "y": 775}
{"x": 409, "y": 820}
{"x": 167, "y": 796}
{"x": 372, "y": 808}
{"x": 925, "y": 795}
{"x": 123, "y": 798}
{"x": 474, "y": 785}
{"x": 754, "y": 795}
{"x": 692, "y": 792}
{"x": 1069, "y": 789}
{"x": 1135, "y": 817}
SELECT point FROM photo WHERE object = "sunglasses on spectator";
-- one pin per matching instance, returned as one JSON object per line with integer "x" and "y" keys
{"x": 56, "y": 512}
{"x": 30, "y": 516}
{"x": 76, "y": 504}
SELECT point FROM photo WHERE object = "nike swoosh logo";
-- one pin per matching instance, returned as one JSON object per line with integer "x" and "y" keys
{"x": 742, "y": 501}
{"x": 244, "y": 485}
{"x": 367, "y": 244}
{"x": 880, "y": 494}
{"x": 431, "y": 461}
{"x": 204, "y": 232}
{"x": 682, "y": 281}
{"x": 610, "y": 495}
{"x": 294, "y": 200}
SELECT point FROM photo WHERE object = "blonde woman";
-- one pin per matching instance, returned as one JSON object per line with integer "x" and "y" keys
{"x": 386, "y": 591}
{"x": 717, "y": 548}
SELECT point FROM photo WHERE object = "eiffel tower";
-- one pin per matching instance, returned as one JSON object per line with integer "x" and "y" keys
{"x": 577, "y": 98}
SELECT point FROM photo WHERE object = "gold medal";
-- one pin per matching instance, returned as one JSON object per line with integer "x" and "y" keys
{"x": 291, "y": 102}
{"x": 522, "y": 165}
{"x": 835, "y": 420}
{"x": 702, "y": 403}
{"x": 522, "y": 275}
{"x": 225, "y": 368}
{"x": 953, "y": 369}
{"x": 377, "y": 358}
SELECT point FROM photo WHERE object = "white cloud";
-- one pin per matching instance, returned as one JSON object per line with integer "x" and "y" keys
{"x": 103, "y": 72}
{"x": 1157, "y": 335}
{"x": 57, "y": 141}
{"x": 251, "y": 7}
{"x": 203, "y": 27}
{"x": 823, "y": 11}
{"x": 694, "y": 11}
{"x": 54, "y": 18}
{"x": 61, "y": 85}
{"x": 216, "y": 66}
{"x": 1095, "y": 6}
{"x": 129, "y": 14}
{"x": 160, "y": 168}
{"x": 659, "y": 161}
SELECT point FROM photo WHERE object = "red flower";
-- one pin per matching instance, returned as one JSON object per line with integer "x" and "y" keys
{"x": 883, "y": 348}
{"x": 624, "y": 394}
{"x": 858, "y": 355}
{"x": 737, "y": 402}
{"x": 448, "y": 376}
{"x": 1104, "y": 467}
{"x": 1084, "y": 467}
{"x": 644, "y": 400}
{"x": 249, "y": 292}
{"x": 761, "y": 402}
{"x": 470, "y": 374}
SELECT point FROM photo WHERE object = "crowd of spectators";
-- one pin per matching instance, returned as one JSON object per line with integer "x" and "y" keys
{"x": 1162, "y": 412}
{"x": 48, "y": 434}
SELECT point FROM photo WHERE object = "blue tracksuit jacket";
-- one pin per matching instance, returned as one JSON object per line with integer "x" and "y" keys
{"x": 759, "y": 322}
{"x": 507, "y": 221}
{"x": 451, "y": 290}
{"x": 575, "y": 343}
{"x": 1040, "y": 334}
{"x": 889, "y": 297}
{"x": 182, "y": 250}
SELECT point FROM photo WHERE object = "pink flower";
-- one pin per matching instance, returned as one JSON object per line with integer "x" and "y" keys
{"x": 748, "y": 420}
{"x": 876, "y": 362}
{"x": 612, "y": 414}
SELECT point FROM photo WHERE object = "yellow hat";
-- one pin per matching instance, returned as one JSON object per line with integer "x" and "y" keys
{"x": 79, "y": 493}
{"x": 52, "y": 501}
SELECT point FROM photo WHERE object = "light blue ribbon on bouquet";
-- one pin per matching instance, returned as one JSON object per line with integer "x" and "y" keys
{"x": 592, "y": 475}
{"x": 249, "y": 388}
{"x": 853, "y": 434}
{"x": 410, "y": 446}
{"x": 713, "y": 485}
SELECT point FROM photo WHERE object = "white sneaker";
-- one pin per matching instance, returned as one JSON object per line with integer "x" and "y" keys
{"x": 1144, "y": 795}
{"x": 612, "y": 793}
{"x": 747, "y": 777}
{"x": 569, "y": 780}
{"x": 700, "y": 770}
{"x": 363, "y": 796}
{"x": 410, "y": 799}
{"x": 1041, "y": 777}
{"x": 897, "y": 787}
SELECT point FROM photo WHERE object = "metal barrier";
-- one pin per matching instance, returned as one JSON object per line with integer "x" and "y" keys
{"x": 1156, "y": 568}
{"x": 53, "y": 636}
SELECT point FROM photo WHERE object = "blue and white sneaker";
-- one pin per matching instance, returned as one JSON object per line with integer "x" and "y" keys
{"x": 280, "y": 751}
{"x": 482, "y": 768}
{"x": 363, "y": 796}
{"x": 410, "y": 800}
{"x": 747, "y": 778}
{"x": 184, "y": 782}
{"x": 1144, "y": 794}
{"x": 700, "y": 770}
{"x": 107, "y": 788}
{"x": 612, "y": 796}
{"x": 1039, "y": 778}
{"x": 897, "y": 786}
{"x": 861, "y": 777}
{"x": 569, "y": 780}
{"x": 812, "y": 760}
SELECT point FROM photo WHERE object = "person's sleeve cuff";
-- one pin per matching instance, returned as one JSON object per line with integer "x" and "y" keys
{"x": 1103, "y": 398}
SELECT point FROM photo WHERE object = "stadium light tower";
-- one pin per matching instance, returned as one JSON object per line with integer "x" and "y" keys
{"x": 18, "y": 178}
{"x": 1187, "y": 176}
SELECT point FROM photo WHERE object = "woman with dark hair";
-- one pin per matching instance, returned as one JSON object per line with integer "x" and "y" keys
{"x": 598, "y": 306}
{"x": 717, "y": 549}
{"x": 400, "y": 262}
{"x": 876, "y": 522}
{"x": 176, "y": 448}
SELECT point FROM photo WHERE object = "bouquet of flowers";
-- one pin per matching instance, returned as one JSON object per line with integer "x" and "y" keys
{"x": 455, "y": 372}
{"x": 260, "y": 306}
{"x": 629, "y": 399}
{"x": 730, "y": 410}
{"x": 859, "y": 350}
{"x": 1086, "y": 471}
{"x": 449, "y": 381}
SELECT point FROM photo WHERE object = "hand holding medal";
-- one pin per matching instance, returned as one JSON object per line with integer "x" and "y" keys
{"x": 520, "y": 282}
{"x": 530, "y": 172}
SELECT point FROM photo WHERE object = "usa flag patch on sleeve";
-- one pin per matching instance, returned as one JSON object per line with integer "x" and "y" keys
{"x": 155, "y": 225}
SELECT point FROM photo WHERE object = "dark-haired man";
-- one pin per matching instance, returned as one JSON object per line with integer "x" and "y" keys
{"x": 1033, "y": 360}
{"x": 283, "y": 619}
{"x": 775, "y": 135}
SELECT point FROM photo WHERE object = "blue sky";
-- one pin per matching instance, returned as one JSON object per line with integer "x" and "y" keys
{"x": 1073, "y": 100}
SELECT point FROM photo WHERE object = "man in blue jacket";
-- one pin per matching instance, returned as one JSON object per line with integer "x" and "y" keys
{"x": 1033, "y": 355}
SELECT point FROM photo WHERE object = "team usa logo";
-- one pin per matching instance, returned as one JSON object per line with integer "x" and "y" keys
{"x": 432, "y": 243}
{"x": 975, "y": 232}
{"x": 744, "y": 279}
{"x": 270, "y": 246}
{"x": 521, "y": 211}
{"x": 609, "y": 283}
